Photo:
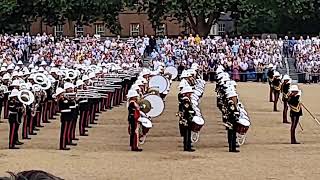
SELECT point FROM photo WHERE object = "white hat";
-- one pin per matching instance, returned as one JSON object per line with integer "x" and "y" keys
{"x": 15, "y": 73}
{"x": 31, "y": 76}
{"x": 186, "y": 89}
{"x": 195, "y": 66}
{"x": 183, "y": 84}
{"x": 135, "y": 87}
{"x": 92, "y": 75}
{"x": 286, "y": 77}
{"x": 185, "y": 74}
{"x": 192, "y": 71}
{"x": 20, "y": 62}
{"x": 10, "y": 67}
{"x": 79, "y": 83}
{"x": 31, "y": 66}
{"x": 160, "y": 68}
{"x": 20, "y": 73}
{"x": 276, "y": 74}
{"x": 68, "y": 85}
{"x": 17, "y": 68}
{"x": 4, "y": 65}
{"x": 270, "y": 65}
{"x": 231, "y": 94}
{"x": 142, "y": 79}
{"x": 59, "y": 91}
{"x": 145, "y": 72}
{"x": 43, "y": 63}
{"x": 3, "y": 69}
{"x": 85, "y": 78}
{"x": 139, "y": 82}
{"x": 15, "y": 83}
{"x": 52, "y": 65}
{"x": 6, "y": 76}
{"x": 14, "y": 93}
{"x": 54, "y": 70}
{"x": 294, "y": 88}
{"x": 132, "y": 93}
{"x": 34, "y": 71}
{"x": 41, "y": 69}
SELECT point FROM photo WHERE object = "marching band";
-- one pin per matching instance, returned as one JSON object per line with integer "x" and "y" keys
{"x": 234, "y": 115}
{"x": 34, "y": 95}
{"x": 291, "y": 95}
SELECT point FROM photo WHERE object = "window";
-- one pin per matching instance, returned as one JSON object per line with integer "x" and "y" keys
{"x": 79, "y": 30}
{"x": 58, "y": 30}
{"x": 222, "y": 29}
{"x": 100, "y": 29}
{"x": 134, "y": 29}
{"x": 161, "y": 30}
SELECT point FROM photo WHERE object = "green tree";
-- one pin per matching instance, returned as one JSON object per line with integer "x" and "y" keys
{"x": 200, "y": 14}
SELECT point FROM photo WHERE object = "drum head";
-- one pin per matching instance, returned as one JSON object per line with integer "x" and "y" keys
{"x": 145, "y": 122}
{"x": 173, "y": 71}
{"x": 159, "y": 81}
{"x": 244, "y": 122}
{"x": 157, "y": 105}
{"x": 198, "y": 120}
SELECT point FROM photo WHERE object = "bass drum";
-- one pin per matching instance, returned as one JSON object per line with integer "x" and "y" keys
{"x": 171, "y": 70}
{"x": 159, "y": 82}
{"x": 157, "y": 105}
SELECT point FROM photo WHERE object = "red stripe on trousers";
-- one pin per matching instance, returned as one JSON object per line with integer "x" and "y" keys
{"x": 25, "y": 126}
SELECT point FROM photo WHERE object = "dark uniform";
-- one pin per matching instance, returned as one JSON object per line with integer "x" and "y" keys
{"x": 270, "y": 74}
{"x": 66, "y": 118}
{"x": 84, "y": 115}
{"x": 133, "y": 117}
{"x": 285, "y": 91}
{"x": 295, "y": 113}
{"x": 187, "y": 115}
{"x": 232, "y": 115}
{"x": 276, "y": 85}
{"x": 15, "y": 114}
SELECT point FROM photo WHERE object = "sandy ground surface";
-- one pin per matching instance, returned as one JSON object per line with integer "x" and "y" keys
{"x": 104, "y": 154}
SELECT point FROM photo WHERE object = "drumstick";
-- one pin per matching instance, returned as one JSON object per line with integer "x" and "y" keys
{"x": 301, "y": 126}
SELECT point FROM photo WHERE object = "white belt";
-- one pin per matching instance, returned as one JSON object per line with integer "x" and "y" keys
{"x": 66, "y": 110}
{"x": 72, "y": 107}
{"x": 83, "y": 101}
{"x": 10, "y": 112}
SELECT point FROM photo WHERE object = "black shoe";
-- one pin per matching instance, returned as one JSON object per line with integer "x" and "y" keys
{"x": 234, "y": 151}
{"x": 136, "y": 150}
{"x": 86, "y": 130}
{"x": 89, "y": 127}
{"x": 53, "y": 118}
{"x": 65, "y": 149}
{"x": 94, "y": 123}
{"x": 47, "y": 122}
{"x": 36, "y": 129}
{"x": 14, "y": 148}
{"x": 191, "y": 150}
{"x": 286, "y": 122}
{"x": 19, "y": 143}
{"x": 33, "y": 134}
{"x": 76, "y": 139}
{"x": 295, "y": 142}
{"x": 40, "y": 126}
{"x": 72, "y": 144}
{"x": 27, "y": 138}
{"x": 84, "y": 135}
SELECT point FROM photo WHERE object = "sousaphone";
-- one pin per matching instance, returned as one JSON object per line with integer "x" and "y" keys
{"x": 26, "y": 97}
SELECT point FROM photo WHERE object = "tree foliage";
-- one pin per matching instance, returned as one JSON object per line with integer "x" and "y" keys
{"x": 200, "y": 14}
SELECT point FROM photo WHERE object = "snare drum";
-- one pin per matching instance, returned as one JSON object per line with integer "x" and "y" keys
{"x": 146, "y": 125}
{"x": 197, "y": 123}
{"x": 243, "y": 126}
